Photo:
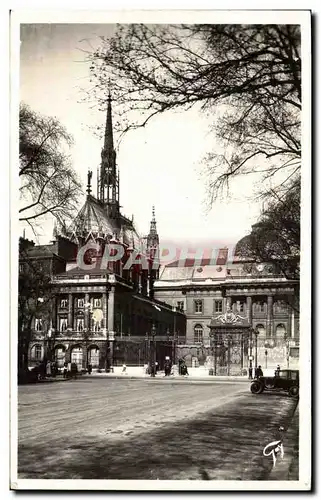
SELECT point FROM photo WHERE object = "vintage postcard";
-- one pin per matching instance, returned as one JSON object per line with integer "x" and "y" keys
{"x": 161, "y": 242}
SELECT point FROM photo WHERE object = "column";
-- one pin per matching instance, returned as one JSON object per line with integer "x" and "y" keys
{"x": 70, "y": 322}
{"x": 87, "y": 311}
{"x": 249, "y": 307}
{"x": 269, "y": 316}
{"x": 111, "y": 310}
{"x": 292, "y": 324}
{"x": 105, "y": 309}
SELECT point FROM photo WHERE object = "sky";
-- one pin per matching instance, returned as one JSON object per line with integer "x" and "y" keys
{"x": 160, "y": 165}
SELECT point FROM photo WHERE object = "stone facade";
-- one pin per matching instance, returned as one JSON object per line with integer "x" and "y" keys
{"x": 267, "y": 302}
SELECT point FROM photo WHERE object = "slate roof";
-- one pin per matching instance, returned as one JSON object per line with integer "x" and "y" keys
{"x": 93, "y": 219}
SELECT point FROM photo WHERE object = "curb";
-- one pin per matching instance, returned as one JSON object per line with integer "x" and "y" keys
{"x": 162, "y": 377}
{"x": 287, "y": 469}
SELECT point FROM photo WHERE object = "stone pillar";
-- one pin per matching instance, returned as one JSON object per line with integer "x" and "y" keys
{"x": 87, "y": 311}
{"x": 70, "y": 315}
{"x": 269, "y": 316}
{"x": 105, "y": 309}
{"x": 292, "y": 323}
{"x": 249, "y": 307}
{"x": 111, "y": 310}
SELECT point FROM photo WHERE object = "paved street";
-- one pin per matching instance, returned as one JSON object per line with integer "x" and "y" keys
{"x": 147, "y": 429}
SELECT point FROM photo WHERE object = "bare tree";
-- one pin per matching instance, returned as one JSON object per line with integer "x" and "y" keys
{"x": 247, "y": 77}
{"x": 34, "y": 297}
{"x": 276, "y": 237}
{"x": 49, "y": 184}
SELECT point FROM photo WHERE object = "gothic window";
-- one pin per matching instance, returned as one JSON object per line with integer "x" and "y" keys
{"x": 198, "y": 306}
{"x": 80, "y": 303}
{"x": 218, "y": 306}
{"x": 38, "y": 324}
{"x": 198, "y": 333}
{"x": 63, "y": 325}
{"x": 180, "y": 305}
{"x": 63, "y": 303}
{"x": 97, "y": 302}
{"x": 80, "y": 325}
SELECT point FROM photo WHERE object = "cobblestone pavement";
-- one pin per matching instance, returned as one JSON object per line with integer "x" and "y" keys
{"x": 148, "y": 429}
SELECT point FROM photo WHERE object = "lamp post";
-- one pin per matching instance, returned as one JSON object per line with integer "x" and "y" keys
{"x": 153, "y": 357}
{"x": 268, "y": 345}
{"x": 49, "y": 334}
{"x": 256, "y": 332}
{"x": 287, "y": 343}
{"x": 87, "y": 332}
{"x": 250, "y": 356}
{"x": 174, "y": 337}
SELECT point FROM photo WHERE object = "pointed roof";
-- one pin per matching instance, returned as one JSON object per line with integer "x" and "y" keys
{"x": 93, "y": 221}
{"x": 92, "y": 218}
{"x": 109, "y": 139}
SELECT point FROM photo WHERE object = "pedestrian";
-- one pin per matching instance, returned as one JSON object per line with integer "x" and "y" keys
{"x": 250, "y": 373}
{"x": 90, "y": 368}
{"x": 48, "y": 369}
{"x": 74, "y": 370}
{"x": 277, "y": 371}
{"x": 65, "y": 370}
{"x": 259, "y": 372}
{"x": 156, "y": 366}
{"x": 256, "y": 372}
{"x": 69, "y": 369}
{"x": 124, "y": 370}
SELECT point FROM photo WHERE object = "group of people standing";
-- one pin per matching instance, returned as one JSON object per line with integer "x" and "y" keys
{"x": 258, "y": 372}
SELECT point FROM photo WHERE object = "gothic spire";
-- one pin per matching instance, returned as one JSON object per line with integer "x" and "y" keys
{"x": 153, "y": 229}
{"x": 89, "y": 176}
{"x": 152, "y": 238}
{"x": 108, "y": 192}
{"x": 109, "y": 139}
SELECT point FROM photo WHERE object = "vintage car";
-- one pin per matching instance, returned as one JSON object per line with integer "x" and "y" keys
{"x": 283, "y": 380}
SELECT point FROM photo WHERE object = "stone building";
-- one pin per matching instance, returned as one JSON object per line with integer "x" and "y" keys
{"x": 250, "y": 310}
{"x": 104, "y": 313}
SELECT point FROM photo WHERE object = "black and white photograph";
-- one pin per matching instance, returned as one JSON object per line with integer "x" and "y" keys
{"x": 160, "y": 303}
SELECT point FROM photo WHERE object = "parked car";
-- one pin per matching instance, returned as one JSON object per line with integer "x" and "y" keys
{"x": 283, "y": 380}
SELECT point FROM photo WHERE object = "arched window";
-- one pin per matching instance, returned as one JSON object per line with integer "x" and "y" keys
{"x": 60, "y": 356}
{"x": 198, "y": 333}
{"x": 280, "y": 331}
{"x": 93, "y": 357}
{"x": 261, "y": 329}
{"x": 36, "y": 352}
{"x": 76, "y": 357}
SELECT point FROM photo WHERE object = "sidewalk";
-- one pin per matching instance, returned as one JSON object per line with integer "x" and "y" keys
{"x": 137, "y": 372}
{"x": 287, "y": 469}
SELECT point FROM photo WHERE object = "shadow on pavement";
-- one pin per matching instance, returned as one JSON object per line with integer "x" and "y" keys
{"x": 225, "y": 443}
